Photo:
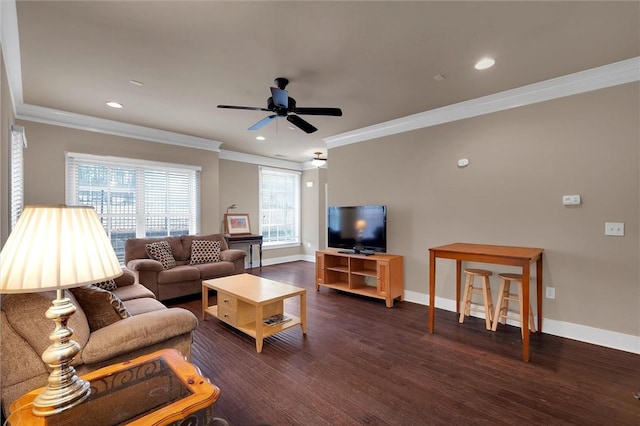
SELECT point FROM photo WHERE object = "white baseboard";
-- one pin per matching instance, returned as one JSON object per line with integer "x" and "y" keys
{"x": 582, "y": 333}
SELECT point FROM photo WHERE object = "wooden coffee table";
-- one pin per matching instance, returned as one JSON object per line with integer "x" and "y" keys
{"x": 245, "y": 301}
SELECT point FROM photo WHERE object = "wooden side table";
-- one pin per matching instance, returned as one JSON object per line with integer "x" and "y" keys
{"x": 246, "y": 240}
{"x": 161, "y": 388}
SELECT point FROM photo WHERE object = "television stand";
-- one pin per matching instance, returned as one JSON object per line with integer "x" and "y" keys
{"x": 377, "y": 275}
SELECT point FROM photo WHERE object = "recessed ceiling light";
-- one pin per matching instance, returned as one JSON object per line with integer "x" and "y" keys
{"x": 114, "y": 104}
{"x": 484, "y": 63}
{"x": 261, "y": 138}
{"x": 136, "y": 82}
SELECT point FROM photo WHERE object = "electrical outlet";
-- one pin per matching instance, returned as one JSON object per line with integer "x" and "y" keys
{"x": 550, "y": 292}
{"x": 615, "y": 229}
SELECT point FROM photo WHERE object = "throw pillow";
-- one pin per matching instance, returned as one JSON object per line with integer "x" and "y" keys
{"x": 205, "y": 251}
{"x": 109, "y": 285}
{"x": 101, "y": 307}
{"x": 161, "y": 251}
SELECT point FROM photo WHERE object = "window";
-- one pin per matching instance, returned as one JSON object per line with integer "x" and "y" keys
{"x": 16, "y": 189}
{"x": 279, "y": 207}
{"x": 135, "y": 198}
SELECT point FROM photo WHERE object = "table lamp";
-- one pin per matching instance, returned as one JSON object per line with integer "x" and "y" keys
{"x": 53, "y": 248}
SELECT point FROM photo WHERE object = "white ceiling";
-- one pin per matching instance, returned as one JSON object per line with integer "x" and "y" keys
{"x": 376, "y": 60}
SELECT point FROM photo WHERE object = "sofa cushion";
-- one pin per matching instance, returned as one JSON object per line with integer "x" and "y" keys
{"x": 179, "y": 274}
{"x": 135, "y": 291}
{"x": 108, "y": 285}
{"x": 203, "y": 251}
{"x": 214, "y": 270}
{"x": 146, "y": 304}
{"x": 26, "y": 315}
{"x": 19, "y": 360}
{"x": 101, "y": 307}
{"x": 161, "y": 251}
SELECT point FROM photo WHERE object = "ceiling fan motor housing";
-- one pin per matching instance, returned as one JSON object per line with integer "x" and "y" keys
{"x": 279, "y": 110}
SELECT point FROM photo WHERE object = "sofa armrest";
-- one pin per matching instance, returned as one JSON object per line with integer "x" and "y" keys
{"x": 126, "y": 279}
{"x": 145, "y": 265}
{"x": 231, "y": 255}
{"x": 136, "y": 332}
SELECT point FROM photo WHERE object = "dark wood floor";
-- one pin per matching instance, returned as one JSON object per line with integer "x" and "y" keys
{"x": 362, "y": 363}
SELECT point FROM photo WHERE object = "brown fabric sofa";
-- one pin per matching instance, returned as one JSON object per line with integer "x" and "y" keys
{"x": 183, "y": 279}
{"x": 25, "y": 330}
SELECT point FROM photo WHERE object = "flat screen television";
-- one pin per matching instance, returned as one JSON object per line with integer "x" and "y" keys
{"x": 358, "y": 229}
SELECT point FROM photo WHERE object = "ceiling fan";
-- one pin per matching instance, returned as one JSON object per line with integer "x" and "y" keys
{"x": 283, "y": 106}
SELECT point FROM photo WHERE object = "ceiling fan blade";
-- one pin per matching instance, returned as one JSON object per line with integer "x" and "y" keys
{"x": 299, "y": 122}
{"x": 336, "y": 112}
{"x": 243, "y": 107}
{"x": 262, "y": 122}
{"x": 280, "y": 97}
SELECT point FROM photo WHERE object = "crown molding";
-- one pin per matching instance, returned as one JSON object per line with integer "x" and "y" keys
{"x": 614, "y": 74}
{"x": 101, "y": 125}
{"x": 259, "y": 160}
{"x": 10, "y": 43}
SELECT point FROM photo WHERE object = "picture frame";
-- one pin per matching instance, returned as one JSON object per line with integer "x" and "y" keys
{"x": 237, "y": 224}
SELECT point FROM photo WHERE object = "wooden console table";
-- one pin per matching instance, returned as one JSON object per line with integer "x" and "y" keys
{"x": 246, "y": 240}
{"x": 484, "y": 253}
{"x": 161, "y": 388}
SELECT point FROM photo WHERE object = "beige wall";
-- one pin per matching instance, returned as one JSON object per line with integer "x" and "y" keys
{"x": 313, "y": 210}
{"x": 45, "y": 164}
{"x": 522, "y": 162}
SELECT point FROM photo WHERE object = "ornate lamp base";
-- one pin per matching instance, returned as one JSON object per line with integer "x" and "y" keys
{"x": 64, "y": 389}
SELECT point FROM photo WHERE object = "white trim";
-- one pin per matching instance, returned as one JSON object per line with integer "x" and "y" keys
{"x": 614, "y": 74}
{"x": 100, "y": 125}
{"x": 11, "y": 50}
{"x": 108, "y": 159}
{"x": 256, "y": 159}
{"x": 581, "y": 333}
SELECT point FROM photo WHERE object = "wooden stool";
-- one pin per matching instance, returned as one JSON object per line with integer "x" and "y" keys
{"x": 504, "y": 297}
{"x": 484, "y": 291}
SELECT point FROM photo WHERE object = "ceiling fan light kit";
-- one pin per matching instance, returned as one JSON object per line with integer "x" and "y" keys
{"x": 282, "y": 105}
{"x": 317, "y": 161}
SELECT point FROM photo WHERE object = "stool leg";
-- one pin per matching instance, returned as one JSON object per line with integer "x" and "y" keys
{"x": 532, "y": 324}
{"x": 488, "y": 302}
{"x": 521, "y": 303}
{"x": 507, "y": 299}
{"x": 466, "y": 299}
{"x": 499, "y": 308}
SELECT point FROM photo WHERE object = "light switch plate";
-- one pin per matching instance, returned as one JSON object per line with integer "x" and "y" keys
{"x": 571, "y": 200}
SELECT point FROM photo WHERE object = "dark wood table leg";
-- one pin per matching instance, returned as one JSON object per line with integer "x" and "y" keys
{"x": 432, "y": 289}
{"x": 525, "y": 310}
{"x": 458, "y": 281}
{"x": 539, "y": 288}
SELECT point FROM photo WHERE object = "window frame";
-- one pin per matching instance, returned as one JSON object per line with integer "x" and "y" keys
{"x": 297, "y": 208}
{"x": 141, "y": 191}
{"x": 18, "y": 143}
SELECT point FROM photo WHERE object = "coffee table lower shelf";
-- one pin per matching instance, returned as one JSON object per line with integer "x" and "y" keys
{"x": 250, "y": 328}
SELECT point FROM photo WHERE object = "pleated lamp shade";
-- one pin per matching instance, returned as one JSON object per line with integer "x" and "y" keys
{"x": 56, "y": 247}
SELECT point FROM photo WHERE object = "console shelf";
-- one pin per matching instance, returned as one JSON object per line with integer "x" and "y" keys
{"x": 380, "y": 275}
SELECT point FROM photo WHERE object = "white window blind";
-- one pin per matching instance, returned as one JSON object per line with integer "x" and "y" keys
{"x": 279, "y": 206}
{"x": 135, "y": 198}
{"x": 16, "y": 187}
